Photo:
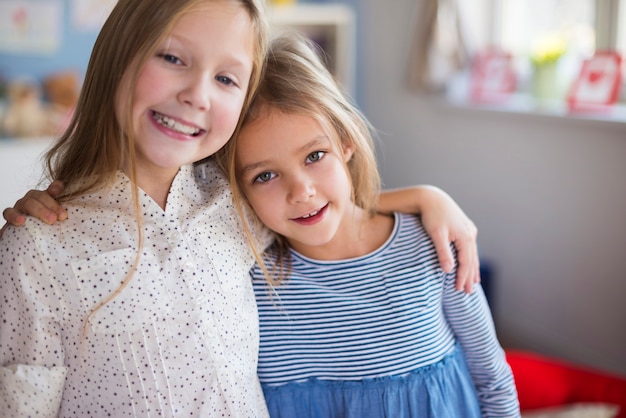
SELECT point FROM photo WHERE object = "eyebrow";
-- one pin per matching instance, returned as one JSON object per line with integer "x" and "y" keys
{"x": 183, "y": 41}
{"x": 313, "y": 143}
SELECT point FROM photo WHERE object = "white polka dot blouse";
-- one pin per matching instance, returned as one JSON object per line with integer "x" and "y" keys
{"x": 180, "y": 339}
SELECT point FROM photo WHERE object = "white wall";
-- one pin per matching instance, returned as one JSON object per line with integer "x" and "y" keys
{"x": 548, "y": 195}
{"x": 21, "y": 166}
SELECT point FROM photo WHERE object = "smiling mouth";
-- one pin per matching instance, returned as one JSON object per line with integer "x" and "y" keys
{"x": 308, "y": 215}
{"x": 313, "y": 213}
{"x": 175, "y": 125}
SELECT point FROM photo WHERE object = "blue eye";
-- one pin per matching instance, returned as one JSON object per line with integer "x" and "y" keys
{"x": 171, "y": 59}
{"x": 224, "y": 80}
{"x": 315, "y": 156}
{"x": 264, "y": 177}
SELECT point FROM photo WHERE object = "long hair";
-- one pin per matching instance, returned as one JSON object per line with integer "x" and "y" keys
{"x": 94, "y": 147}
{"x": 296, "y": 81}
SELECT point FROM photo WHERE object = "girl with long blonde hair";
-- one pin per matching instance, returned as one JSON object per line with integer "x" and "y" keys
{"x": 140, "y": 303}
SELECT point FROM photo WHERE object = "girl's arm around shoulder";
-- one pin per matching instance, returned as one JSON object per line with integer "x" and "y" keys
{"x": 445, "y": 222}
{"x": 38, "y": 203}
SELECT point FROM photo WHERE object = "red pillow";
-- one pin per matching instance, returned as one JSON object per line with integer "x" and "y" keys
{"x": 545, "y": 382}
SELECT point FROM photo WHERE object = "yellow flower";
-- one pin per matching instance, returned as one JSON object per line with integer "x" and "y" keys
{"x": 548, "y": 50}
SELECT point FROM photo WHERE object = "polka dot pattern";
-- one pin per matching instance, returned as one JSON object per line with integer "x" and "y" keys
{"x": 181, "y": 339}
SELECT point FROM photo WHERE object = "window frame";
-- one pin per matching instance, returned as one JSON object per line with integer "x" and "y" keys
{"x": 606, "y": 26}
{"x": 606, "y": 22}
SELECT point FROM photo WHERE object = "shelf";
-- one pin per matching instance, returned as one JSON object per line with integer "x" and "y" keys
{"x": 332, "y": 26}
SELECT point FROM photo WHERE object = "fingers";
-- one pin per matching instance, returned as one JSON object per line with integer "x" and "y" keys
{"x": 55, "y": 188}
{"x": 465, "y": 243}
{"x": 464, "y": 271}
{"x": 39, "y": 204}
{"x": 468, "y": 271}
{"x": 469, "y": 286}
{"x": 13, "y": 217}
{"x": 444, "y": 252}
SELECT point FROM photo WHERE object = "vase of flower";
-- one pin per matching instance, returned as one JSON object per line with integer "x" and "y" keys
{"x": 545, "y": 59}
{"x": 545, "y": 82}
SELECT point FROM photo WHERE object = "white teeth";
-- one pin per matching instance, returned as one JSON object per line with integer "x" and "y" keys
{"x": 174, "y": 125}
{"x": 311, "y": 214}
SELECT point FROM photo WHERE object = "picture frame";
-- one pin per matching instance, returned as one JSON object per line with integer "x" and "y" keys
{"x": 492, "y": 77}
{"x": 598, "y": 83}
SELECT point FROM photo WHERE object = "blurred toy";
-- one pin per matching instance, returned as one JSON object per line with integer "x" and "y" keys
{"x": 26, "y": 114}
{"x": 61, "y": 91}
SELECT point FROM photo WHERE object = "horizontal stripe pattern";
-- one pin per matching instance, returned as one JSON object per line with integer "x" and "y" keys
{"x": 383, "y": 314}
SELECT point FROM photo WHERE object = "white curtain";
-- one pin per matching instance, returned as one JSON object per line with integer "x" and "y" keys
{"x": 438, "y": 48}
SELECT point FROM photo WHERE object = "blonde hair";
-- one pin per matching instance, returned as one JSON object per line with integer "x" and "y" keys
{"x": 94, "y": 147}
{"x": 296, "y": 81}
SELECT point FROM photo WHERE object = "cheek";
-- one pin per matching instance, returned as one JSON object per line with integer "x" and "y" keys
{"x": 339, "y": 179}
{"x": 339, "y": 186}
{"x": 256, "y": 201}
{"x": 146, "y": 91}
{"x": 264, "y": 204}
{"x": 145, "y": 97}
{"x": 228, "y": 112}
{"x": 152, "y": 79}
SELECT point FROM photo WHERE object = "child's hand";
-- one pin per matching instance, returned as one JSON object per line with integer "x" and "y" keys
{"x": 446, "y": 223}
{"x": 38, "y": 203}
{"x": 461, "y": 231}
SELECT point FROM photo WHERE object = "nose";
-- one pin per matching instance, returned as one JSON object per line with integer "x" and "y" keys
{"x": 196, "y": 91}
{"x": 301, "y": 189}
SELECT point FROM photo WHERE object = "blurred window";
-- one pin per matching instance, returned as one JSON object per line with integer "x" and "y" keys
{"x": 571, "y": 30}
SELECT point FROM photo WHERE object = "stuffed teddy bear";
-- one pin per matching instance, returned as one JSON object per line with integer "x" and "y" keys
{"x": 26, "y": 115}
{"x": 61, "y": 91}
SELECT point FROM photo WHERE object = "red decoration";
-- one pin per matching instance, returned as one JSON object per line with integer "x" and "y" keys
{"x": 492, "y": 76}
{"x": 597, "y": 86}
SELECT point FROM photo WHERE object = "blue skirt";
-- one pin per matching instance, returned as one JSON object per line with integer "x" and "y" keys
{"x": 441, "y": 390}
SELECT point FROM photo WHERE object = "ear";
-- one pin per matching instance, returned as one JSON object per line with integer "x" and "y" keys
{"x": 348, "y": 151}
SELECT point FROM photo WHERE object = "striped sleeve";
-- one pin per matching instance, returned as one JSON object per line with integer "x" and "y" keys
{"x": 470, "y": 318}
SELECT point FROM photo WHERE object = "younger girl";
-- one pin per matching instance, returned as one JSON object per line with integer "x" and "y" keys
{"x": 357, "y": 318}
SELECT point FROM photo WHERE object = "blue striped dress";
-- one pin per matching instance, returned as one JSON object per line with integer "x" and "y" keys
{"x": 381, "y": 335}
